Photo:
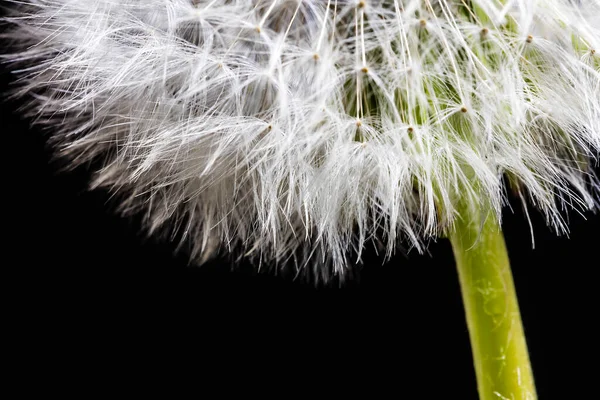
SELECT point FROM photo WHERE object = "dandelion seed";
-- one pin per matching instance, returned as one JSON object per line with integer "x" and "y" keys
{"x": 240, "y": 119}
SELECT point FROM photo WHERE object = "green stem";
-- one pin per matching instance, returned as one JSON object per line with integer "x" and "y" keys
{"x": 493, "y": 318}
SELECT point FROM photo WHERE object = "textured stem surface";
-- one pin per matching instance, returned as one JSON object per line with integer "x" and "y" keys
{"x": 493, "y": 318}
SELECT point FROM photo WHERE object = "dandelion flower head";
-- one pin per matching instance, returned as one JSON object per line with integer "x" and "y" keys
{"x": 296, "y": 132}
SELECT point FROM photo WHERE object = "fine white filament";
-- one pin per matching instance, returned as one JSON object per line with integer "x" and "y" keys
{"x": 298, "y": 131}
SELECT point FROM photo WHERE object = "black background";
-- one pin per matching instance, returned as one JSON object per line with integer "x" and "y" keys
{"x": 91, "y": 283}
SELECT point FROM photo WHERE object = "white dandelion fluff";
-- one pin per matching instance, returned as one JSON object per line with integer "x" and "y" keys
{"x": 298, "y": 131}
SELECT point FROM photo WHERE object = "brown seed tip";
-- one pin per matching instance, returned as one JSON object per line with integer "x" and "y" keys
{"x": 484, "y": 32}
{"x": 358, "y": 123}
{"x": 592, "y": 51}
{"x": 529, "y": 39}
{"x": 422, "y": 22}
{"x": 410, "y": 129}
{"x": 257, "y": 29}
{"x": 364, "y": 70}
{"x": 361, "y": 4}
{"x": 463, "y": 109}
{"x": 315, "y": 57}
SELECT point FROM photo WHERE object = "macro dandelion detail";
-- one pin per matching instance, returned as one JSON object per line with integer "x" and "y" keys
{"x": 297, "y": 132}
{"x": 305, "y": 129}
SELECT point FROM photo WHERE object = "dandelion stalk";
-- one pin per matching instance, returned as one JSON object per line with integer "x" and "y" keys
{"x": 497, "y": 339}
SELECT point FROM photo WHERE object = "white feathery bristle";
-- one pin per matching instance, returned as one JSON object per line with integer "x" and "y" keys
{"x": 299, "y": 131}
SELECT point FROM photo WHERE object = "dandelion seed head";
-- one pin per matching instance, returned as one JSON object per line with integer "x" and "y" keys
{"x": 297, "y": 132}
